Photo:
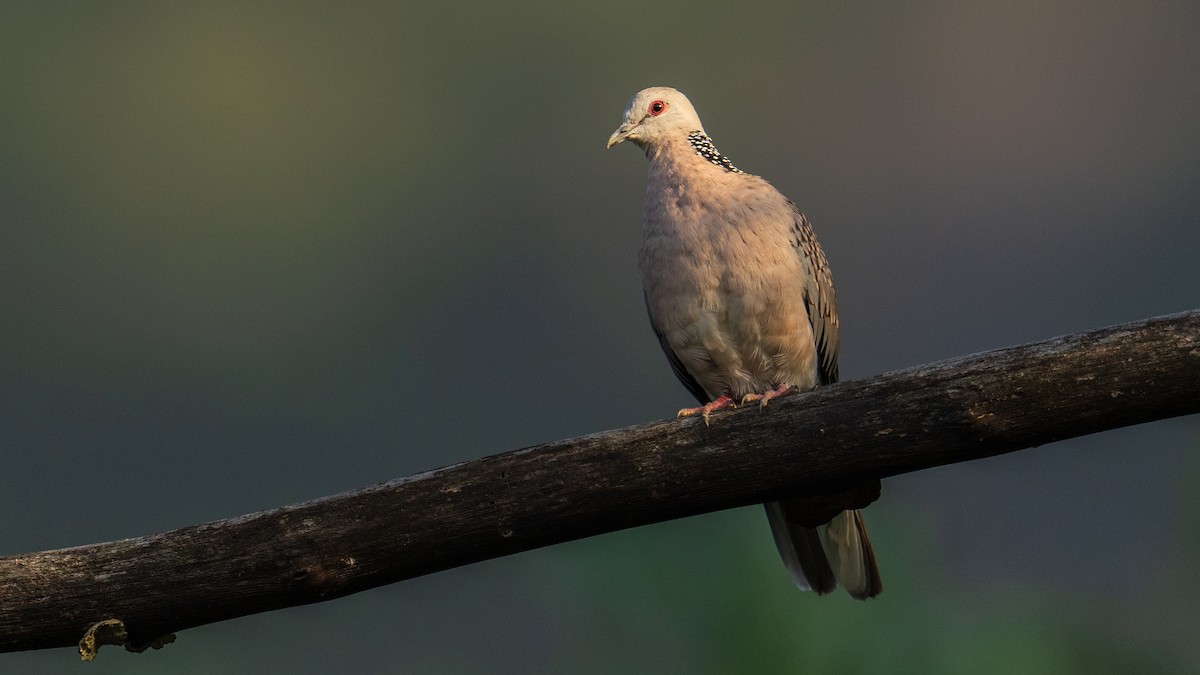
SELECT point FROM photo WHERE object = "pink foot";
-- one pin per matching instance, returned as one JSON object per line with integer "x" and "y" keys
{"x": 707, "y": 409}
{"x": 763, "y": 398}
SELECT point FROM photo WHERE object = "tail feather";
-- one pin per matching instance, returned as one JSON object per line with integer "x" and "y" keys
{"x": 819, "y": 558}
{"x": 801, "y": 550}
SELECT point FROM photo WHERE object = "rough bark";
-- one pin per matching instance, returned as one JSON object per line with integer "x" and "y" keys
{"x": 817, "y": 442}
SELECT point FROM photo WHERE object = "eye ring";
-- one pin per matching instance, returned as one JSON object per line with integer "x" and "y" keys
{"x": 657, "y": 107}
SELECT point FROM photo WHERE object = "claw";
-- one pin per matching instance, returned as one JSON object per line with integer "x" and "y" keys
{"x": 707, "y": 409}
{"x": 766, "y": 396}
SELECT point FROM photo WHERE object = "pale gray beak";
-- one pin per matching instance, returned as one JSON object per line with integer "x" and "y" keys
{"x": 620, "y": 134}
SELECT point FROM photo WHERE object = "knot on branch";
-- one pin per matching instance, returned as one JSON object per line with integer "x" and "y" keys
{"x": 112, "y": 632}
{"x": 319, "y": 579}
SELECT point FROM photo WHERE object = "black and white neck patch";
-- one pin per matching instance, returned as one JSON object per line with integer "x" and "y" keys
{"x": 705, "y": 148}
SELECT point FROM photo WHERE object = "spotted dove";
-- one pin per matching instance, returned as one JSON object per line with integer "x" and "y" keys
{"x": 741, "y": 299}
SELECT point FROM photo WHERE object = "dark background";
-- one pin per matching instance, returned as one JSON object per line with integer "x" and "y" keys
{"x": 252, "y": 254}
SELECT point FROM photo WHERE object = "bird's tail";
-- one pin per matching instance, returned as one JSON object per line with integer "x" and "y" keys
{"x": 821, "y": 557}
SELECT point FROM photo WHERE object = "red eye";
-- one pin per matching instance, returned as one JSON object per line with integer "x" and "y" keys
{"x": 658, "y": 107}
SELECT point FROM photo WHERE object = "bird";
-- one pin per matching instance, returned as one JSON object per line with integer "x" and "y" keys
{"x": 740, "y": 297}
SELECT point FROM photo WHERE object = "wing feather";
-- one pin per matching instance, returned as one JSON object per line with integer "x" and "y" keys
{"x": 819, "y": 299}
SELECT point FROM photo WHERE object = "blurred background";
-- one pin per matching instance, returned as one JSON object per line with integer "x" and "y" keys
{"x": 257, "y": 253}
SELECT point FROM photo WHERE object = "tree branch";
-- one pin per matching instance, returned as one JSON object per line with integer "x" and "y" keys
{"x": 820, "y": 441}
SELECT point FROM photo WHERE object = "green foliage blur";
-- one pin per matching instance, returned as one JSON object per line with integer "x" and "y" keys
{"x": 255, "y": 253}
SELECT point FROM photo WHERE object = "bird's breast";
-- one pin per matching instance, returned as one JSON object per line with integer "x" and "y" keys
{"x": 725, "y": 290}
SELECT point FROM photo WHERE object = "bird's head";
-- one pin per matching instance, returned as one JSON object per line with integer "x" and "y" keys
{"x": 654, "y": 115}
